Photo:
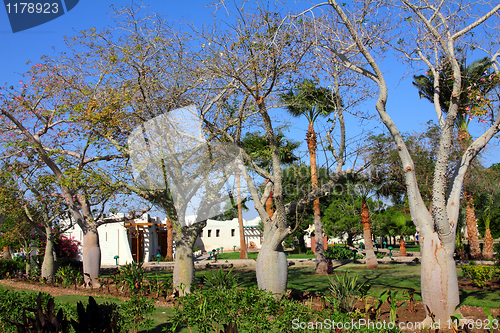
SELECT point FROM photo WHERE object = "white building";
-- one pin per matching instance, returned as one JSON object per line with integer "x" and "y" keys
{"x": 146, "y": 237}
{"x": 226, "y": 234}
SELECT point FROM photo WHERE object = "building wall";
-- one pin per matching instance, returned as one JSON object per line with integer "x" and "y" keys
{"x": 114, "y": 239}
{"x": 226, "y": 234}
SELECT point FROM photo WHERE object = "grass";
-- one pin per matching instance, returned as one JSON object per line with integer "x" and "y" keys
{"x": 253, "y": 255}
{"x": 413, "y": 248}
{"x": 389, "y": 276}
{"x": 236, "y": 255}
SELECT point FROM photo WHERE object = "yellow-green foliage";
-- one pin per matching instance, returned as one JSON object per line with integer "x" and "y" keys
{"x": 479, "y": 275}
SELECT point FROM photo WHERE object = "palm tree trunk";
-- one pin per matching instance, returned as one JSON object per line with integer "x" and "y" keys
{"x": 488, "y": 244}
{"x": 402, "y": 246}
{"x": 371, "y": 259}
{"x": 170, "y": 241}
{"x": 243, "y": 246}
{"x": 470, "y": 216}
{"x": 321, "y": 263}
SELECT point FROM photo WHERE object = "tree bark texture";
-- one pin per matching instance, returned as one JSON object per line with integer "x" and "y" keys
{"x": 183, "y": 276}
{"x": 170, "y": 241}
{"x": 439, "y": 281}
{"x": 470, "y": 216}
{"x": 91, "y": 256}
{"x": 371, "y": 258}
{"x": 488, "y": 245}
{"x": 243, "y": 245}
{"x": 49, "y": 265}
{"x": 272, "y": 267}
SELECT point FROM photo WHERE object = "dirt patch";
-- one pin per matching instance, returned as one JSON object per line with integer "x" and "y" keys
{"x": 407, "y": 315}
{"x": 493, "y": 285}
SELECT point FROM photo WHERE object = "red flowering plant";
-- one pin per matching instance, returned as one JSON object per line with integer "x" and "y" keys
{"x": 65, "y": 247}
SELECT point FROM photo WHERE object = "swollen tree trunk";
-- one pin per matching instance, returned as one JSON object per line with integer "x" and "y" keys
{"x": 243, "y": 245}
{"x": 488, "y": 244}
{"x": 170, "y": 241}
{"x": 439, "y": 282}
{"x": 49, "y": 266}
{"x": 91, "y": 256}
{"x": 272, "y": 266}
{"x": 319, "y": 251}
{"x": 470, "y": 216}
{"x": 183, "y": 277}
{"x": 371, "y": 258}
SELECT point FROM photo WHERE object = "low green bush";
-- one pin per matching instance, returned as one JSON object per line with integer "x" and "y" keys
{"x": 340, "y": 252}
{"x": 12, "y": 304}
{"x": 135, "y": 314}
{"x": 221, "y": 280}
{"x": 253, "y": 310}
{"x": 480, "y": 274}
{"x": 11, "y": 267}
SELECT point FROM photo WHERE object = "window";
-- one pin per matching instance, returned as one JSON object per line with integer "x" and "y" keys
{"x": 209, "y": 233}
{"x": 217, "y": 233}
{"x": 232, "y": 232}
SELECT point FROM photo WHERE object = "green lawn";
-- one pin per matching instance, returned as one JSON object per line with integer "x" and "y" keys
{"x": 253, "y": 255}
{"x": 389, "y": 276}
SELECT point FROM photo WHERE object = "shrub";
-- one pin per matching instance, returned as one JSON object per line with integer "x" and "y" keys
{"x": 345, "y": 290}
{"x": 65, "y": 247}
{"x": 309, "y": 252}
{"x": 10, "y": 266}
{"x": 12, "y": 304}
{"x": 479, "y": 275}
{"x": 137, "y": 314}
{"x": 251, "y": 310}
{"x": 221, "y": 280}
{"x": 340, "y": 252}
{"x": 43, "y": 319}
{"x": 131, "y": 275}
{"x": 68, "y": 276}
{"x": 96, "y": 318}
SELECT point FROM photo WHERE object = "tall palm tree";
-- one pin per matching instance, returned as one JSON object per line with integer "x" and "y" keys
{"x": 475, "y": 75}
{"x": 311, "y": 101}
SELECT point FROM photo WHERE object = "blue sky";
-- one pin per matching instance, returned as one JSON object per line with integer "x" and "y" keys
{"x": 408, "y": 111}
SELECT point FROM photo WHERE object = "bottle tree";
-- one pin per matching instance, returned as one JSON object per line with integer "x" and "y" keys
{"x": 477, "y": 81}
